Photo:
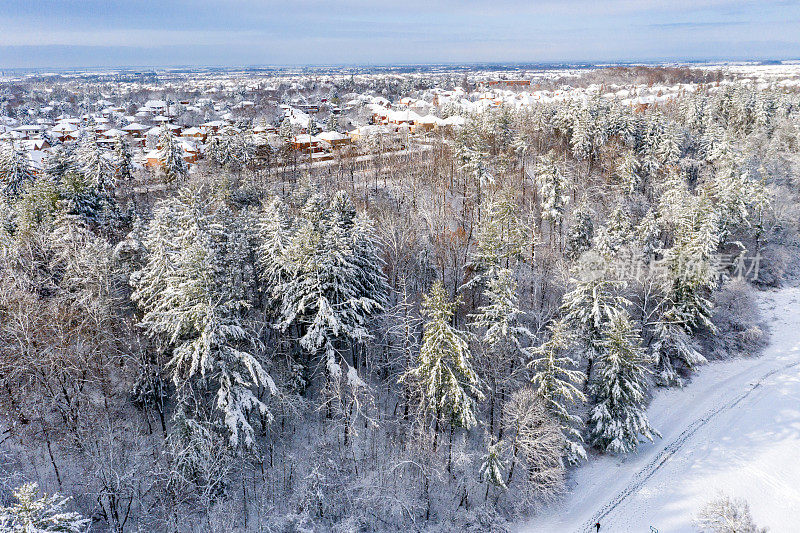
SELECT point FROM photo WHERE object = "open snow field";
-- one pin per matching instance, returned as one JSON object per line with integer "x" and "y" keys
{"x": 735, "y": 428}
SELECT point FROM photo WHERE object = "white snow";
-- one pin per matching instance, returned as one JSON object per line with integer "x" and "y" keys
{"x": 734, "y": 429}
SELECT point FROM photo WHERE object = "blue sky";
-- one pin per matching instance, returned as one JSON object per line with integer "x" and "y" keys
{"x": 96, "y": 33}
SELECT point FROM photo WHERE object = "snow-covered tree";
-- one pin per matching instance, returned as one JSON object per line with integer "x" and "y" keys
{"x": 498, "y": 321}
{"x": 673, "y": 348}
{"x": 123, "y": 165}
{"x": 727, "y": 515}
{"x": 618, "y": 419}
{"x": 172, "y": 166}
{"x": 501, "y": 240}
{"x": 333, "y": 123}
{"x": 15, "y": 171}
{"x": 35, "y": 513}
{"x": 497, "y": 324}
{"x": 94, "y": 164}
{"x": 275, "y": 239}
{"x": 191, "y": 302}
{"x": 536, "y": 444}
{"x": 553, "y": 185}
{"x": 556, "y": 380}
{"x": 491, "y": 470}
{"x": 580, "y": 234}
{"x": 590, "y": 304}
{"x": 443, "y": 373}
{"x": 334, "y": 285}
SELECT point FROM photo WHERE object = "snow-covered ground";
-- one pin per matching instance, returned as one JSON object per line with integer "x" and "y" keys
{"x": 735, "y": 428}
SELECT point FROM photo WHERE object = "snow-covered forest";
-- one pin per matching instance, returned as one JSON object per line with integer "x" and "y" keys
{"x": 432, "y": 330}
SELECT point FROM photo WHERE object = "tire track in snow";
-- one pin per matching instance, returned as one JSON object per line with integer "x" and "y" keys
{"x": 641, "y": 477}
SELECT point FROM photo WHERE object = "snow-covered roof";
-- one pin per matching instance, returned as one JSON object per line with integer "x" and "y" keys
{"x": 113, "y": 132}
{"x": 135, "y": 126}
{"x": 332, "y": 136}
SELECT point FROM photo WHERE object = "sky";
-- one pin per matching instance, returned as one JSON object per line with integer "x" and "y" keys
{"x": 109, "y": 33}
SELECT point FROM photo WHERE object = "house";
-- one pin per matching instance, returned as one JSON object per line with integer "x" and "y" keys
{"x": 307, "y": 143}
{"x": 214, "y": 126}
{"x": 135, "y": 129}
{"x": 191, "y": 153}
{"x": 454, "y": 122}
{"x": 427, "y": 123}
{"x": 196, "y": 133}
{"x": 334, "y": 138}
{"x": 34, "y": 145}
{"x": 64, "y": 131}
{"x": 30, "y": 131}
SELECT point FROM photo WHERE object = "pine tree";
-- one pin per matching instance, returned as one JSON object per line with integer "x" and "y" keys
{"x": 93, "y": 163}
{"x": 286, "y": 131}
{"x": 673, "y": 348}
{"x": 276, "y": 235}
{"x": 58, "y": 162}
{"x": 123, "y": 165}
{"x": 40, "y": 514}
{"x": 444, "y": 375}
{"x": 615, "y": 235}
{"x": 580, "y": 234}
{"x": 333, "y": 123}
{"x": 591, "y": 303}
{"x": 329, "y": 293}
{"x": 618, "y": 418}
{"x": 15, "y": 171}
{"x": 556, "y": 381}
{"x": 553, "y": 185}
{"x": 499, "y": 318}
{"x": 501, "y": 334}
{"x": 313, "y": 127}
{"x": 193, "y": 300}
{"x": 173, "y": 167}
{"x": 491, "y": 470}
{"x": 501, "y": 241}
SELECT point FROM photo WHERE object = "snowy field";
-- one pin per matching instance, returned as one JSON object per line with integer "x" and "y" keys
{"x": 735, "y": 428}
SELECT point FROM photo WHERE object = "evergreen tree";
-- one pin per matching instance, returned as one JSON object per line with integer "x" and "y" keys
{"x": 618, "y": 418}
{"x": 553, "y": 185}
{"x": 580, "y": 234}
{"x": 123, "y": 161}
{"x": 276, "y": 235}
{"x": 286, "y": 131}
{"x": 93, "y": 163}
{"x": 492, "y": 467}
{"x": 556, "y": 381}
{"x": 447, "y": 382}
{"x": 40, "y": 514}
{"x": 173, "y": 167}
{"x": 501, "y": 239}
{"x": 193, "y": 300}
{"x": 333, "y": 123}
{"x": 499, "y": 318}
{"x": 58, "y": 162}
{"x": 591, "y": 303}
{"x": 313, "y": 127}
{"x": 15, "y": 171}
{"x": 328, "y": 293}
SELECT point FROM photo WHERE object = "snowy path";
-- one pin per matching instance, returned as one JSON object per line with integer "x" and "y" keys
{"x": 734, "y": 428}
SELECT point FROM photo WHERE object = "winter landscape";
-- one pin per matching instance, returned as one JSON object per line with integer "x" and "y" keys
{"x": 383, "y": 296}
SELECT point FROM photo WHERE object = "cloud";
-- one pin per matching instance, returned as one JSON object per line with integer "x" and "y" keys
{"x": 350, "y": 31}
